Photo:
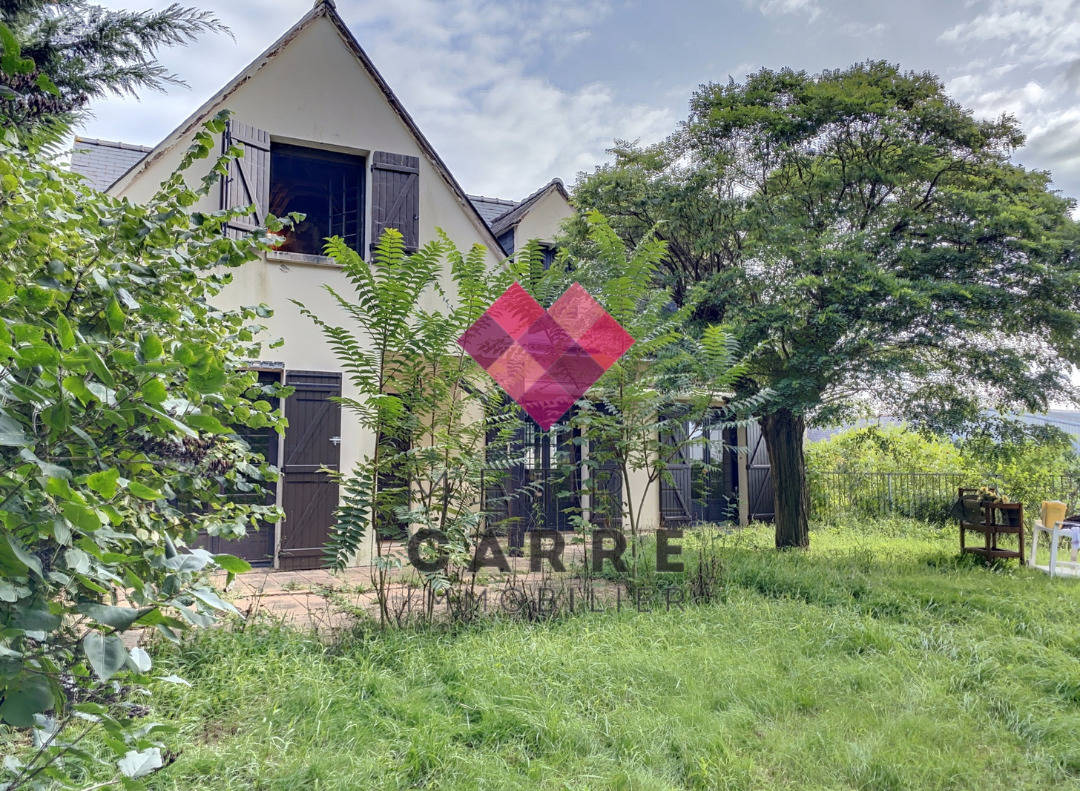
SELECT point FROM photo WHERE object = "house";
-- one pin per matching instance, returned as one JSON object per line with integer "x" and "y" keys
{"x": 536, "y": 217}
{"x": 323, "y": 134}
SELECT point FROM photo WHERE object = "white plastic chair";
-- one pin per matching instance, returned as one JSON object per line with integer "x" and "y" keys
{"x": 1051, "y": 521}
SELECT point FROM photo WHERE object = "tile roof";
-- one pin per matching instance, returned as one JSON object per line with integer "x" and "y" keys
{"x": 491, "y": 208}
{"x": 101, "y": 162}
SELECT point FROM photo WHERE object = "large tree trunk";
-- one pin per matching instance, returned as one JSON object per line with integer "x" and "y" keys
{"x": 783, "y": 431}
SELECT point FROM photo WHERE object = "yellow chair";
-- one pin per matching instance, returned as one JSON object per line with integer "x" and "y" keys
{"x": 1051, "y": 521}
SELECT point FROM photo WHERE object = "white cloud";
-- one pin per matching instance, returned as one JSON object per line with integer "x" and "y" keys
{"x": 861, "y": 29}
{"x": 469, "y": 71}
{"x": 782, "y": 7}
{"x": 1029, "y": 51}
{"x": 472, "y": 83}
{"x": 1039, "y": 31}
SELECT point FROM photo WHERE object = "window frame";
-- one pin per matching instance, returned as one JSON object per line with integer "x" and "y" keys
{"x": 351, "y": 158}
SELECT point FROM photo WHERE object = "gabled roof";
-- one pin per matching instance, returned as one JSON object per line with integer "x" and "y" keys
{"x": 322, "y": 8}
{"x": 102, "y": 162}
{"x": 491, "y": 208}
{"x": 513, "y": 216}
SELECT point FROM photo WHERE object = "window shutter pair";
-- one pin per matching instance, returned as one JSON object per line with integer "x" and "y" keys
{"x": 248, "y": 180}
{"x": 395, "y": 186}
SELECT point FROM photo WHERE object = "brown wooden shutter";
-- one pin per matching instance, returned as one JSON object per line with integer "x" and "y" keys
{"x": 395, "y": 196}
{"x": 248, "y": 181}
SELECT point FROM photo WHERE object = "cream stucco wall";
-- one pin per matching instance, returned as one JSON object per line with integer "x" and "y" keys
{"x": 543, "y": 219}
{"x": 315, "y": 92}
{"x": 649, "y": 513}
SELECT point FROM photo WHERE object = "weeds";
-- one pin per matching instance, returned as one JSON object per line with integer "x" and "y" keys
{"x": 876, "y": 660}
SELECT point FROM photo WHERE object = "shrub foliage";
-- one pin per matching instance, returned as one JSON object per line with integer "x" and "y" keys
{"x": 121, "y": 408}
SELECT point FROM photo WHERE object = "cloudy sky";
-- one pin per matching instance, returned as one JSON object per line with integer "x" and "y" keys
{"x": 513, "y": 93}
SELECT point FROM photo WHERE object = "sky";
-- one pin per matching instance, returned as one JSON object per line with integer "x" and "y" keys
{"x": 513, "y": 93}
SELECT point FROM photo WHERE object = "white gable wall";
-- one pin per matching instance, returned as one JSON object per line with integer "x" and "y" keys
{"x": 315, "y": 92}
{"x": 542, "y": 220}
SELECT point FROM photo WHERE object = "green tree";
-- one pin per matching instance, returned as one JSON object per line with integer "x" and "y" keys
{"x": 658, "y": 399}
{"x": 61, "y": 54}
{"x": 425, "y": 401}
{"x": 875, "y": 449}
{"x": 122, "y": 402}
{"x": 868, "y": 240}
{"x": 1026, "y": 463}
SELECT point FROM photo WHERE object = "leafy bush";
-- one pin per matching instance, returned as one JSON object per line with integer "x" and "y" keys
{"x": 879, "y": 470}
{"x": 883, "y": 449}
{"x": 120, "y": 388}
{"x": 1028, "y": 464}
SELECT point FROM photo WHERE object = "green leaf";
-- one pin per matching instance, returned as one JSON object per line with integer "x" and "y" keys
{"x": 85, "y": 519}
{"x": 211, "y": 599}
{"x": 64, "y": 333}
{"x": 46, "y": 84}
{"x": 39, "y": 354}
{"x": 25, "y": 556}
{"x": 206, "y": 423}
{"x": 77, "y": 560}
{"x": 151, "y": 346}
{"x": 116, "y": 617}
{"x": 114, "y": 315}
{"x": 139, "y": 660}
{"x": 139, "y": 763}
{"x": 11, "y": 432}
{"x": 106, "y": 654}
{"x": 232, "y": 564}
{"x": 36, "y": 618}
{"x": 104, "y": 482}
{"x": 27, "y": 695}
{"x": 154, "y": 392}
{"x": 143, "y": 492}
{"x": 77, "y": 387}
{"x": 97, "y": 365}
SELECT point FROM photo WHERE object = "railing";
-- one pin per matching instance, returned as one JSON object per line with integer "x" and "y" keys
{"x": 921, "y": 495}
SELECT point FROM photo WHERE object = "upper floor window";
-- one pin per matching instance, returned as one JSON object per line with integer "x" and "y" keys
{"x": 326, "y": 187}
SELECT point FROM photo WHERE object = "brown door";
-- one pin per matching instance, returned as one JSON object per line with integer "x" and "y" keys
{"x": 676, "y": 496}
{"x": 309, "y": 494}
{"x": 759, "y": 476}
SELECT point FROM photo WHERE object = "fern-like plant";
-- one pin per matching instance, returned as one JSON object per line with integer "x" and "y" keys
{"x": 426, "y": 402}
{"x": 642, "y": 413}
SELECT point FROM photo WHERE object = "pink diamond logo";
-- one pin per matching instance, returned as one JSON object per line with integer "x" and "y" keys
{"x": 546, "y": 359}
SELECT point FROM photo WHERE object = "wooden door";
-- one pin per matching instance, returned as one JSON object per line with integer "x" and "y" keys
{"x": 309, "y": 494}
{"x": 713, "y": 473}
{"x": 759, "y": 476}
{"x": 676, "y": 491}
{"x": 605, "y": 489}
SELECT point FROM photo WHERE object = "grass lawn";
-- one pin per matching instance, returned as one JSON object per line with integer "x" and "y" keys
{"x": 877, "y": 660}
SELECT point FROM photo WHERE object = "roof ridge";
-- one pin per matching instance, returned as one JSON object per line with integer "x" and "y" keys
{"x": 506, "y": 201}
{"x": 327, "y": 10}
{"x": 504, "y": 220}
{"x": 94, "y": 141}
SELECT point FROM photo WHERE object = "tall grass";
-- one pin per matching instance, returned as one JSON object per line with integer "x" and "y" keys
{"x": 878, "y": 660}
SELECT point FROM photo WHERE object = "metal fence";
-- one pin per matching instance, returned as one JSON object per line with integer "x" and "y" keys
{"x": 921, "y": 495}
